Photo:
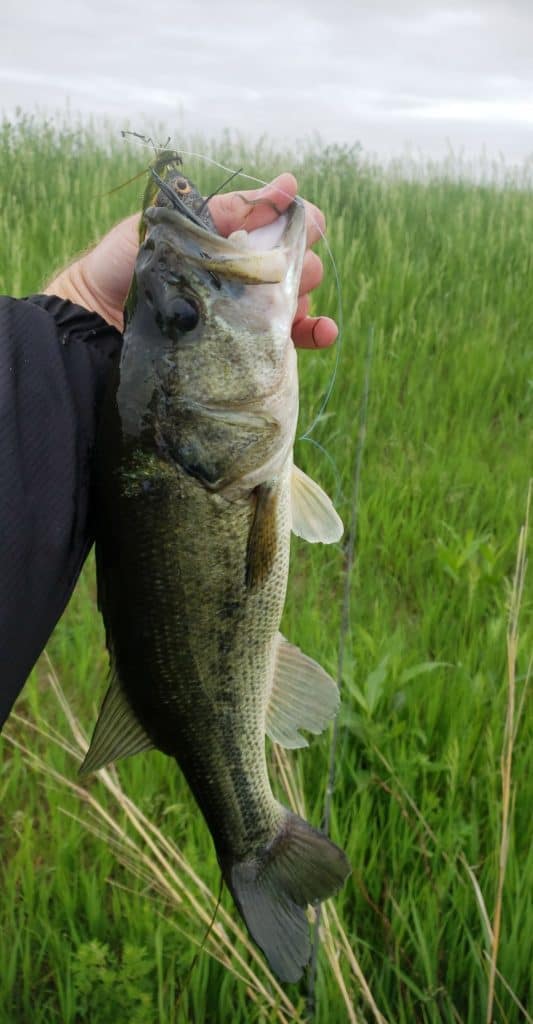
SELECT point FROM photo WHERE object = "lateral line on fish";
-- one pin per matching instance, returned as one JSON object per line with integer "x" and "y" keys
{"x": 306, "y": 436}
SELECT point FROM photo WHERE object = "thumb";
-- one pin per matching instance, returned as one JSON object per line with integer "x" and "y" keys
{"x": 108, "y": 267}
{"x": 255, "y": 207}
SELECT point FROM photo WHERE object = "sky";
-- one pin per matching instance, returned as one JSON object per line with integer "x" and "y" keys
{"x": 396, "y": 77}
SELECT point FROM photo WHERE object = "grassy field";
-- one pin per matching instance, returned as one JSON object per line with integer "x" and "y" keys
{"x": 437, "y": 286}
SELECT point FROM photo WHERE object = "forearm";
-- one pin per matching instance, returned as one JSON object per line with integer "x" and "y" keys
{"x": 54, "y": 361}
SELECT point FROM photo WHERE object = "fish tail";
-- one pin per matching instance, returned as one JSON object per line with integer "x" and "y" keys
{"x": 272, "y": 889}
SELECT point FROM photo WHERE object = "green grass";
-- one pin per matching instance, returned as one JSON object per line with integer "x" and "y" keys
{"x": 439, "y": 274}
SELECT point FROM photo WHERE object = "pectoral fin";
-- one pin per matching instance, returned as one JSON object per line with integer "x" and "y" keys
{"x": 118, "y": 733}
{"x": 263, "y": 540}
{"x": 313, "y": 515}
{"x": 303, "y": 696}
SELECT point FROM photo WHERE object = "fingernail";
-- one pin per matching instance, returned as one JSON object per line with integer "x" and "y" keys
{"x": 315, "y": 325}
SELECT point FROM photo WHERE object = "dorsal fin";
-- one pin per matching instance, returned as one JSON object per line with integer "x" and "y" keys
{"x": 303, "y": 696}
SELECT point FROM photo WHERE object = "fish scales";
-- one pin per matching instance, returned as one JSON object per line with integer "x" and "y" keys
{"x": 198, "y": 639}
{"x": 197, "y": 497}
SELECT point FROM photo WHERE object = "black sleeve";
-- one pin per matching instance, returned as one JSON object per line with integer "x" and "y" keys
{"x": 54, "y": 361}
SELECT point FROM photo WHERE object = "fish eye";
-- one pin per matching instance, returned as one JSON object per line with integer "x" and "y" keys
{"x": 184, "y": 315}
{"x": 182, "y": 185}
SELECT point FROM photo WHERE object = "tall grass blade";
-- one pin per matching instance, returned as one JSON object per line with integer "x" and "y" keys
{"x": 508, "y": 748}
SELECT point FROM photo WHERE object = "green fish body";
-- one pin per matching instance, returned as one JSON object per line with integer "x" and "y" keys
{"x": 197, "y": 497}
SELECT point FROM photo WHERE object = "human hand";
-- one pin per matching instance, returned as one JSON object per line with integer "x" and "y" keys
{"x": 100, "y": 279}
{"x": 236, "y": 210}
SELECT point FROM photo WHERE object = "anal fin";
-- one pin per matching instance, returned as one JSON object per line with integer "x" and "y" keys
{"x": 118, "y": 733}
{"x": 303, "y": 696}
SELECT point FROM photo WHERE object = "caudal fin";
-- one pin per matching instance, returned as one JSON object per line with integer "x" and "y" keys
{"x": 300, "y": 866}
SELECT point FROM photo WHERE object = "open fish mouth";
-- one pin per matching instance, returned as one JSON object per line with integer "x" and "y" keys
{"x": 262, "y": 256}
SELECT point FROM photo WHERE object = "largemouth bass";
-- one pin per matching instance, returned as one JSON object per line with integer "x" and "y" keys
{"x": 197, "y": 496}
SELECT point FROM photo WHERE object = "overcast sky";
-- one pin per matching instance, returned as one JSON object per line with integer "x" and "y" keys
{"x": 385, "y": 74}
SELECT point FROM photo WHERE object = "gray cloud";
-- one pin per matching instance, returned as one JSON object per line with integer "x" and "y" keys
{"x": 382, "y": 73}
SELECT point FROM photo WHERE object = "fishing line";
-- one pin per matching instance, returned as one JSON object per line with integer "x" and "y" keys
{"x": 344, "y": 629}
{"x": 147, "y": 140}
{"x": 200, "y": 949}
{"x": 333, "y": 464}
{"x": 219, "y": 189}
{"x": 306, "y": 436}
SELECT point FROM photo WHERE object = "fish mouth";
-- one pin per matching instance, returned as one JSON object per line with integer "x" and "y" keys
{"x": 262, "y": 256}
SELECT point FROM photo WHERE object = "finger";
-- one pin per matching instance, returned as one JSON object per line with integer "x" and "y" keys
{"x": 109, "y": 266}
{"x": 234, "y": 211}
{"x": 128, "y": 230}
{"x": 314, "y": 332}
{"x": 302, "y": 309}
{"x": 119, "y": 247}
{"x": 316, "y": 223}
{"x": 312, "y": 273}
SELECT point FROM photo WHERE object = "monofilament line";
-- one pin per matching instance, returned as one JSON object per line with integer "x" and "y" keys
{"x": 343, "y": 636}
